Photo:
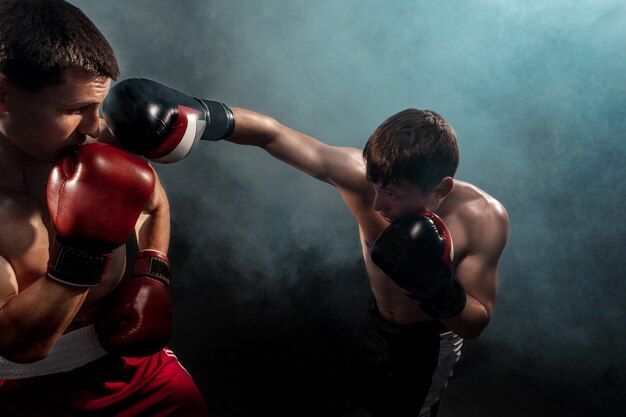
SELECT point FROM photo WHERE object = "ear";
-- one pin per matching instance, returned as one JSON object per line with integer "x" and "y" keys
{"x": 444, "y": 187}
{"x": 3, "y": 89}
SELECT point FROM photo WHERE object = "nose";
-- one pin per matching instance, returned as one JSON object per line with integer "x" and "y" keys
{"x": 379, "y": 203}
{"x": 90, "y": 125}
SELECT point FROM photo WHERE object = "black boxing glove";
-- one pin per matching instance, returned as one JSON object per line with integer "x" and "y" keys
{"x": 416, "y": 252}
{"x": 160, "y": 123}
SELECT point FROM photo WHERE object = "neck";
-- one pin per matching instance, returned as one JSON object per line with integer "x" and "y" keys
{"x": 439, "y": 204}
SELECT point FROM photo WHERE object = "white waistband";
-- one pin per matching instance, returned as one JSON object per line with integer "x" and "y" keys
{"x": 71, "y": 351}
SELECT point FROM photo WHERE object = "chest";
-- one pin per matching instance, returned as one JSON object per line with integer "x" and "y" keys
{"x": 371, "y": 229}
{"x": 25, "y": 239}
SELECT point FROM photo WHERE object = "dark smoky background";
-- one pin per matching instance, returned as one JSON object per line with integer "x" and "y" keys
{"x": 269, "y": 283}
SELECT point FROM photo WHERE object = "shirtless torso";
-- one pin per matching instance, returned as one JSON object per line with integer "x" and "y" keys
{"x": 477, "y": 222}
{"x": 27, "y": 235}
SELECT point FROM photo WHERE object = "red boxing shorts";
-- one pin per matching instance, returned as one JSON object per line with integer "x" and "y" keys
{"x": 111, "y": 386}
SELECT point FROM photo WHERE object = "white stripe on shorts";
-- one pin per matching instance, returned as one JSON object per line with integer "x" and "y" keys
{"x": 450, "y": 345}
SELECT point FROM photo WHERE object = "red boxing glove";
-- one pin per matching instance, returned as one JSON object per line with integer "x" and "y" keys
{"x": 136, "y": 319}
{"x": 95, "y": 196}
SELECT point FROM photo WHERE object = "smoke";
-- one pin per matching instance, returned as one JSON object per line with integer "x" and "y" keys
{"x": 535, "y": 90}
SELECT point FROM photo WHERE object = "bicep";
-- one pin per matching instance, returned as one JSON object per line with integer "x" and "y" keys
{"x": 478, "y": 272}
{"x": 153, "y": 225}
{"x": 334, "y": 165}
{"x": 479, "y": 277}
{"x": 341, "y": 167}
{"x": 158, "y": 200}
{"x": 338, "y": 166}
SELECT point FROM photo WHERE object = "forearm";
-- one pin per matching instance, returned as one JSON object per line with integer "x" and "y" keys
{"x": 471, "y": 321}
{"x": 253, "y": 128}
{"x": 33, "y": 320}
{"x": 136, "y": 319}
{"x": 153, "y": 226}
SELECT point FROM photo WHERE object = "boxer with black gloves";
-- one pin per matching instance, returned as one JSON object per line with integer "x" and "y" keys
{"x": 411, "y": 213}
{"x": 68, "y": 322}
{"x": 431, "y": 246}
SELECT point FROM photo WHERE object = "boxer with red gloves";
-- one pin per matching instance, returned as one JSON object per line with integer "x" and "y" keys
{"x": 68, "y": 206}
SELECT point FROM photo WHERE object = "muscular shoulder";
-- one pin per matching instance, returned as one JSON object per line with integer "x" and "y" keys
{"x": 479, "y": 207}
{"x": 346, "y": 168}
{"x": 351, "y": 181}
{"x": 484, "y": 219}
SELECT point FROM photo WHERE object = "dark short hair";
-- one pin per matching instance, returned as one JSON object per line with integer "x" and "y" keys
{"x": 41, "y": 38}
{"x": 415, "y": 145}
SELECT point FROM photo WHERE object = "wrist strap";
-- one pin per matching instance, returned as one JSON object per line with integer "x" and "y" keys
{"x": 154, "y": 264}
{"x": 73, "y": 266}
{"x": 220, "y": 122}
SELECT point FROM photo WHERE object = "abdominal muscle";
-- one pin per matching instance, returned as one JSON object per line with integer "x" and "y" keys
{"x": 393, "y": 303}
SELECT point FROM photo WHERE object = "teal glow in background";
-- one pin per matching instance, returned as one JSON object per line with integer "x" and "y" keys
{"x": 536, "y": 93}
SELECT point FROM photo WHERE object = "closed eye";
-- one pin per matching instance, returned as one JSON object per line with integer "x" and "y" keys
{"x": 80, "y": 107}
{"x": 76, "y": 111}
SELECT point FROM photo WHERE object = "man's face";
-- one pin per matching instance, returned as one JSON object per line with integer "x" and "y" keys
{"x": 45, "y": 123}
{"x": 395, "y": 200}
